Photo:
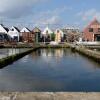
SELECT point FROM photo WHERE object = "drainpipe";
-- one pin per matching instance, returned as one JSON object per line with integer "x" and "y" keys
{"x": 18, "y": 37}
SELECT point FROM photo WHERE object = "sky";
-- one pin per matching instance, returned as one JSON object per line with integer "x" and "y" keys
{"x": 55, "y": 13}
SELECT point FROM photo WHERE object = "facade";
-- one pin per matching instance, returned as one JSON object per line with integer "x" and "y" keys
{"x": 92, "y": 31}
{"x": 71, "y": 34}
{"x": 27, "y": 35}
{"x": 4, "y": 37}
{"x": 70, "y": 29}
{"x": 46, "y": 34}
{"x": 3, "y": 29}
{"x": 58, "y": 35}
{"x": 14, "y": 33}
{"x": 37, "y": 33}
{"x": 47, "y": 31}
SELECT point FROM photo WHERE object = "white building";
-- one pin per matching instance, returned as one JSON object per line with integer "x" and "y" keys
{"x": 47, "y": 31}
{"x": 3, "y": 33}
{"x": 3, "y": 29}
{"x": 26, "y": 30}
{"x": 14, "y": 33}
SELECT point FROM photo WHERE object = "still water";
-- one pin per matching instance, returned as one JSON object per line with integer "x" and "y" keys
{"x": 51, "y": 70}
{"x": 8, "y": 52}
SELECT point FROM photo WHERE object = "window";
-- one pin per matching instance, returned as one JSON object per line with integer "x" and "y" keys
{"x": 98, "y": 29}
{"x": 12, "y": 29}
{"x": 90, "y": 29}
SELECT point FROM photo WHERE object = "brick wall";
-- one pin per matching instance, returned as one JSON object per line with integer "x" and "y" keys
{"x": 89, "y": 36}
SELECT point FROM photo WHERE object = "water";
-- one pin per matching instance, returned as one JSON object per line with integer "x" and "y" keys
{"x": 51, "y": 70}
{"x": 8, "y": 52}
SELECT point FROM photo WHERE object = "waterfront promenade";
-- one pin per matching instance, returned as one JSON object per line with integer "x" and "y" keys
{"x": 49, "y": 96}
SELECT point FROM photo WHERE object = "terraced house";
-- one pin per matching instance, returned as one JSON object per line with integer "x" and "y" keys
{"x": 14, "y": 33}
{"x": 27, "y": 35}
{"x": 3, "y": 33}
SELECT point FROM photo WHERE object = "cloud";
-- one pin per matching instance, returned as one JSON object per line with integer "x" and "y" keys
{"x": 16, "y": 8}
{"x": 89, "y": 14}
{"x": 51, "y": 20}
{"x": 52, "y": 16}
{"x": 13, "y": 12}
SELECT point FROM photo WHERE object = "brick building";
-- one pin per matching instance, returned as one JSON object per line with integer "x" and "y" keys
{"x": 92, "y": 31}
{"x": 27, "y": 35}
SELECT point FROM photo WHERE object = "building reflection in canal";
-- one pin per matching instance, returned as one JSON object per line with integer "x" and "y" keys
{"x": 10, "y": 51}
{"x": 51, "y": 70}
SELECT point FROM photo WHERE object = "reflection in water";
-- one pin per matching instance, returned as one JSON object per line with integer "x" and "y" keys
{"x": 51, "y": 70}
{"x": 51, "y": 52}
{"x": 9, "y": 52}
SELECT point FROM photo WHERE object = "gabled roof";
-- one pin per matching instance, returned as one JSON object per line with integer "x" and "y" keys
{"x": 36, "y": 30}
{"x": 47, "y": 30}
{"x": 28, "y": 29}
{"x": 4, "y": 27}
{"x": 16, "y": 28}
{"x": 94, "y": 22}
{"x": 25, "y": 29}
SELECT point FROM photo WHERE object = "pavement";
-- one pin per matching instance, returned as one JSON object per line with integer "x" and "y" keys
{"x": 49, "y": 96}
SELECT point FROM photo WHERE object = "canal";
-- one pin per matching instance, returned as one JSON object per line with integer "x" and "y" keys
{"x": 51, "y": 70}
{"x": 11, "y": 51}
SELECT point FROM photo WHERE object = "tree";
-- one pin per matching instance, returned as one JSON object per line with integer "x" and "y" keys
{"x": 52, "y": 37}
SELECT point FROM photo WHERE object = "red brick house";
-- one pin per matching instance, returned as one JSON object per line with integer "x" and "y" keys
{"x": 27, "y": 35}
{"x": 92, "y": 31}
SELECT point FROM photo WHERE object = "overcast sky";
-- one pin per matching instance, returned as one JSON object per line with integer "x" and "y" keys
{"x": 55, "y": 12}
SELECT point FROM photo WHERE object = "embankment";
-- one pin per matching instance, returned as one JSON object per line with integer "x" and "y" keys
{"x": 10, "y": 59}
{"x": 91, "y": 54}
{"x": 94, "y": 55}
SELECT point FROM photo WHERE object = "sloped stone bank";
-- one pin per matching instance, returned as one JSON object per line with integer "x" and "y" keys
{"x": 10, "y": 59}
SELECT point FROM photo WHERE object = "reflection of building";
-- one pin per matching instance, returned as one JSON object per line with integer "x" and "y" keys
{"x": 92, "y": 31}
{"x": 36, "y": 54}
{"x": 59, "y": 53}
{"x": 52, "y": 52}
{"x": 58, "y": 35}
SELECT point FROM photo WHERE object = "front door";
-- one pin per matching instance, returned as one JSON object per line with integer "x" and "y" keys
{"x": 97, "y": 37}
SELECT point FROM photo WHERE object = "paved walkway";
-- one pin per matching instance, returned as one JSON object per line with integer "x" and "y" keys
{"x": 49, "y": 96}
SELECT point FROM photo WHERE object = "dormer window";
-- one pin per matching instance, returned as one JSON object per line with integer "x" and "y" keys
{"x": 12, "y": 29}
{"x": 47, "y": 32}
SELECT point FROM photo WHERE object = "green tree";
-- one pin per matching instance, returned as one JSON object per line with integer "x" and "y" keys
{"x": 52, "y": 37}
